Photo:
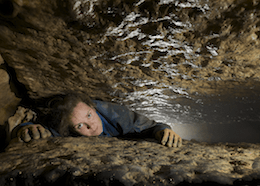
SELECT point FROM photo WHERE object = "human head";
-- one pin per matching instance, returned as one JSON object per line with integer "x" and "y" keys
{"x": 62, "y": 107}
{"x": 86, "y": 121}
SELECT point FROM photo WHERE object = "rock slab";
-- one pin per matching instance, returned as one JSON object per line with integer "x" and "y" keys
{"x": 113, "y": 161}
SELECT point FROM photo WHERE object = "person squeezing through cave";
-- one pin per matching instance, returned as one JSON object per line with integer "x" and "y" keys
{"x": 76, "y": 115}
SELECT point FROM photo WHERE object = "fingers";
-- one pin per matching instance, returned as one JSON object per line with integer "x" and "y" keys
{"x": 44, "y": 133}
{"x": 24, "y": 135}
{"x": 177, "y": 140}
{"x": 165, "y": 137}
{"x": 36, "y": 131}
{"x": 48, "y": 133}
{"x": 180, "y": 142}
{"x": 171, "y": 139}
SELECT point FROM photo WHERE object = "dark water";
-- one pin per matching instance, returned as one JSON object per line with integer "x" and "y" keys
{"x": 184, "y": 40}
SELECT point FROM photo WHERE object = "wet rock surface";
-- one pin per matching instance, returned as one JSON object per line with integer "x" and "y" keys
{"x": 112, "y": 161}
{"x": 148, "y": 54}
{"x": 122, "y": 47}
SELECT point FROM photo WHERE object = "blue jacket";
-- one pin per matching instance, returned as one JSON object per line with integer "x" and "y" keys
{"x": 118, "y": 120}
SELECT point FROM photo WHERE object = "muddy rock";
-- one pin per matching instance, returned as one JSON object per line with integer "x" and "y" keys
{"x": 8, "y": 101}
{"x": 118, "y": 47}
{"x": 106, "y": 161}
{"x": 138, "y": 52}
{"x": 46, "y": 48}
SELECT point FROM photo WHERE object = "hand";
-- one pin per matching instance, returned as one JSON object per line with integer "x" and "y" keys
{"x": 167, "y": 137}
{"x": 35, "y": 131}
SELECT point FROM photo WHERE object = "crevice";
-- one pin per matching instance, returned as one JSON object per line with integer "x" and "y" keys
{"x": 16, "y": 87}
{"x": 6, "y": 8}
{"x": 19, "y": 90}
{"x": 9, "y": 8}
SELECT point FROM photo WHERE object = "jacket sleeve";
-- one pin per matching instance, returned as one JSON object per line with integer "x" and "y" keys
{"x": 127, "y": 121}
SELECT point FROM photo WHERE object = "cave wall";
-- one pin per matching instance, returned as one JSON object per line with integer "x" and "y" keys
{"x": 8, "y": 101}
{"x": 109, "y": 49}
{"x": 45, "y": 52}
{"x": 91, "y": 46}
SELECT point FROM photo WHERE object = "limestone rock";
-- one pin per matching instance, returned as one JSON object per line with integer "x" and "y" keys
{"x": 113, "y": 161}
{"x": 111, "y": 46}
{"x": 8, "y": 104}
{"x": 8, "y": 100}
{"x": 10, "y": 8}
{"x": 1, "y": 60}
{"x": 22, "y": 115}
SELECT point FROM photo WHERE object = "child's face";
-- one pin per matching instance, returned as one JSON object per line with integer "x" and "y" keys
{"x": 86, "y": 121}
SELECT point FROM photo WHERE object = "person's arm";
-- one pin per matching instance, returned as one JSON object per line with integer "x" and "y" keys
{"x": 129, "y": 122}
{"x": 160, "y": 131}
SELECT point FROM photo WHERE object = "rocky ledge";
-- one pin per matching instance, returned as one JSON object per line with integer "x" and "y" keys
{"x": 114, "y": 161}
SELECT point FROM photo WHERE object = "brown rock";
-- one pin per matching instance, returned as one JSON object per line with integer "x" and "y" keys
{"x": 1, "y": 60}
{"x": 96, "y": 160}
{"x": 22, "y": 115}
{"x": 90, "y": 46}
{"x": 10, "y": 8}
{"x": 8, "y": 103}
{"x": 101, "y": 47}
{"x": 8, "y": 100}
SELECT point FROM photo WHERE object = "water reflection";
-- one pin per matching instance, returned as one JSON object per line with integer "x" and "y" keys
{"x": 161, "y": 39}
{"x": 232, "y": 116}
{"x": 157, "y": 50}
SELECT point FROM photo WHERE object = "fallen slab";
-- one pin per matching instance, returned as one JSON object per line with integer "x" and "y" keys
{"x": 113, "y": 161}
